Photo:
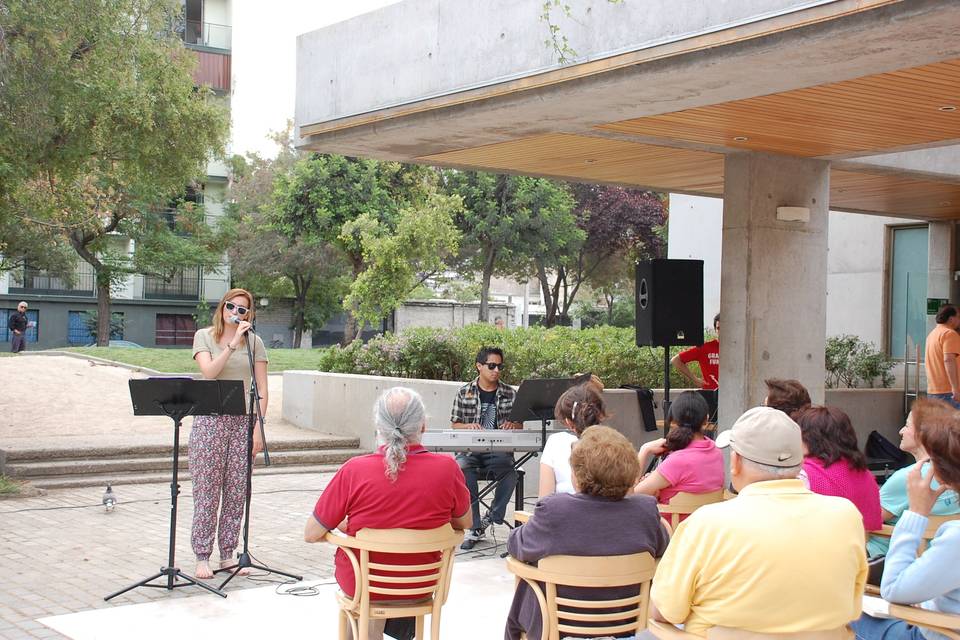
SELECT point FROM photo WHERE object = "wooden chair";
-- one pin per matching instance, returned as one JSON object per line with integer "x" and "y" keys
{"x": 417, "y": 600}
{"x": 686, "y": 503}
{"x": 521, "y": 517}
{"x": 943, "y": 623}
{"x": 588, "y": 571}
{"x": 666, "y": 631}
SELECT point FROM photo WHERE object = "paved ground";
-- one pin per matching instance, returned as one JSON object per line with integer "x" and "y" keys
{"x": 59, "y": 400}
{"x": 62, "y": 553}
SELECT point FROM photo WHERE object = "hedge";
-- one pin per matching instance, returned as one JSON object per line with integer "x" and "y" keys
{"x": 444, "y": 354}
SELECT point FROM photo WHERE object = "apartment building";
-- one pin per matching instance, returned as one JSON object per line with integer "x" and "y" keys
{"x": 151, "y": 311}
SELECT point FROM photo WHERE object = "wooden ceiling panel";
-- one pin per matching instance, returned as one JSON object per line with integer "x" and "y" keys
{"x": 587, "y": 158}
{"x": 894, "y": 195}
{"x": 861, "y": 116}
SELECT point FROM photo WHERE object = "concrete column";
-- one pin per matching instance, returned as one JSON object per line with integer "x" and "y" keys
{"x": 773, "y": 278}
{"x": 940, "y": 264}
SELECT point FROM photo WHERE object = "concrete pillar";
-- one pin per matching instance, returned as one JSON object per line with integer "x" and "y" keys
{"x": 773, "y": 278}
{"x": 940, "y": 264}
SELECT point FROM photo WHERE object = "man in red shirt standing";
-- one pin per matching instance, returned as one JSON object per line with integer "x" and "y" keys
{"x": 401, "y": 486}
{"x": 708, "y": 356}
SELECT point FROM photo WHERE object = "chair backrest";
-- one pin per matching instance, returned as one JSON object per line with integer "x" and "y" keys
{"x": 430, "y": 580}
{"x": 933, "y": 523}
{"x": 684, "y": 504}
{"x": 581, "y": 617}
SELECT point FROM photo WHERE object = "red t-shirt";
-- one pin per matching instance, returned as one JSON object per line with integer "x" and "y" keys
{"x": 429, "y": 491}
{"x": 708, "y": 356}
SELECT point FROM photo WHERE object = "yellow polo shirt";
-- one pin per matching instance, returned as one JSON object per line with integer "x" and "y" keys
{"x": 778, "y": 558}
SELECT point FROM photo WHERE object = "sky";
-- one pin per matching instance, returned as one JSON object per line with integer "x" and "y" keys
{"x": 264, "y": 62}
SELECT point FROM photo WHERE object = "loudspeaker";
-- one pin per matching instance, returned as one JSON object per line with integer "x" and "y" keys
{"x": 669, "y": 295}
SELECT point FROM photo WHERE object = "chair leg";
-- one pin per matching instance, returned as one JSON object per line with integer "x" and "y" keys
{"x": 435, "y": 624}
{"x": 363, "y": 626}
{"x": 419, "y": 635}
{"x": 343, "y": 620}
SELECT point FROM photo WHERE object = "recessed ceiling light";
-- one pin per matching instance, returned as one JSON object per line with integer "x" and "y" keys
{"x": 740, "y": 138}
{"x": 948, "y": 107}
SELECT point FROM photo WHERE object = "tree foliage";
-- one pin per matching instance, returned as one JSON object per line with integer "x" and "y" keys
{"x": 100, "y": 127}
{"x": 360, "y": 207}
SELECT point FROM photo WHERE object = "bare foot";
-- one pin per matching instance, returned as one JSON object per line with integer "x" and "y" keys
{"x": 203, "y": 570}
{"x": 232, "y": 564}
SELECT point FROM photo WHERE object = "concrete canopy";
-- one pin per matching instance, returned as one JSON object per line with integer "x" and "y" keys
{"x": 659, "y": 93}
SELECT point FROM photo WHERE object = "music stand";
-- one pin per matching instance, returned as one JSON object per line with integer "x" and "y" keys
{"x": 535, "y": 400}
{"x": 177, "y": 398}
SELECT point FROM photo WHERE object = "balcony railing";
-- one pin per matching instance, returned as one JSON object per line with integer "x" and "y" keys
{"x": 213, "y": 70}
{"x": 207, "y": 34}
{"x": 184, "y": 285}
{"x": 34, "y": 281}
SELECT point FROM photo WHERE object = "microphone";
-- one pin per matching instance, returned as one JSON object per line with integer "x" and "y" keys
{"x": 236, "y": 320}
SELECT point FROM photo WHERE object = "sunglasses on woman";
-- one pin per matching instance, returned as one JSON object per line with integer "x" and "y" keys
{"x": 241, "y": 311}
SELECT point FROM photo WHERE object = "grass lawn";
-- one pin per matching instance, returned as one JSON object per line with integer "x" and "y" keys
{"x": 180, "y": 360}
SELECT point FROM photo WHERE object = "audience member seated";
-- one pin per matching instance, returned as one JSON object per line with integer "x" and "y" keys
{"x": 833, "y": 465}
{"x": 932, "y": 579}
{"x": 578, "y": 408}
{"x": 893, "y": 493}
{"x": 603, "y": 518}
{"x": 401, "y": 486}
{"x": 788, "y": 396}
{"x": 776, "y": 559}
{"x": 693, "y": 463}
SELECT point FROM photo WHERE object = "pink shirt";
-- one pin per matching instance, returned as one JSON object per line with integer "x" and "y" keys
{"x": 839, "y": 479}
{"x": 696, "y": 469}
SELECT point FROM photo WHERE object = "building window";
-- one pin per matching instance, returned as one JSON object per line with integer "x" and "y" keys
{"x": 35, "y": 281}
{"x": 183, "y": 285}
{"x": 82, "y": 327}
{"x": 33, "y": 332}
{"x": 175, "y": 330}
{"x": 907, "y": 319}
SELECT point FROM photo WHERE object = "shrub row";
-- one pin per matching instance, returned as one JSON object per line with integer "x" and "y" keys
{"x": 535, "y": 352}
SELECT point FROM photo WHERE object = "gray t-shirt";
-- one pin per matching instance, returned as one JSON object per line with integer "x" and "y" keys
{"x": 237, "y": 366}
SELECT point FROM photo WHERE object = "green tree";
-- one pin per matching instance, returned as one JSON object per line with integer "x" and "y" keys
{"x": 357, "y": 205}
{"x": 310, "y": 272}
{"x": 100, "y": 127}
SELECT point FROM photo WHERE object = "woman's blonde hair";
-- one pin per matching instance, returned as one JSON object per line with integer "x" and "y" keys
{"x": 604, "y": 463}
{"x": 218, "y": 314}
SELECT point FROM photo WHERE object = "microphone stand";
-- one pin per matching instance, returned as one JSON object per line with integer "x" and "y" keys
{"x": 255, "y": 417}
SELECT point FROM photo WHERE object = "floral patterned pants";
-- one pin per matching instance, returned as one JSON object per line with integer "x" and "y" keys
{"x": 218, "y": 467}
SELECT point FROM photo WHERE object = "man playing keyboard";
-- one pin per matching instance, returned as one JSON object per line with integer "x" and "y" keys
{"x": 485, "y": 403}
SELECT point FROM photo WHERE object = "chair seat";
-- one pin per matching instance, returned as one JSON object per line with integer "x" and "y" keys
{"x": 388, "y": 608}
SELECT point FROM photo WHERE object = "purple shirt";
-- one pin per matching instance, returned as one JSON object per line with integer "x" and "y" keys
{"x": 840, "y": 479}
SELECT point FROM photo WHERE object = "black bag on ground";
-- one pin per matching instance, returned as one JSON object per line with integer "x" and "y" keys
{"x": 882, "y": 449}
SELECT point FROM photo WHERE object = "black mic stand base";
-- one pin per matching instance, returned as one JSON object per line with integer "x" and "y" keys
{"x": 172, "y": 574}
{"x": 244, "y": 562}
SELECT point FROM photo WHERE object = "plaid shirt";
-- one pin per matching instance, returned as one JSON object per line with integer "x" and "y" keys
{"x": 466, "y": 406}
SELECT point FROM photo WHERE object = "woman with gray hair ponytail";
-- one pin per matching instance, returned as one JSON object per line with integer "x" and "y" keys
{"x": 400, "y": 418}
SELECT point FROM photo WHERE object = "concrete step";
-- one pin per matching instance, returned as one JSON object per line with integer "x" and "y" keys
{"x": 50, "y": 468}
{"x": 148, "y": 450}
{"x": 118, "y": 479}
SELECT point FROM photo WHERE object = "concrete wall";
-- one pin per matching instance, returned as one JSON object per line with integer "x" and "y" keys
{"x": 420, "y": 48}
{"x": 448, "y": 314}
{"x": 342, "y": 404}
{"x": 856, "y": 278}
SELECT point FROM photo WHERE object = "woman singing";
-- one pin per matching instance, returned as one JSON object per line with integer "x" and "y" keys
{"x": 218, "y": 444}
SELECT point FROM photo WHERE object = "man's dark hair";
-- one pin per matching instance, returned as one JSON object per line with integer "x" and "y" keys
{"x": 716, "y": 319}
{"x": 788, "y": 396}
{"x": 485, "y": 352}
{"x": 946, "y": 312}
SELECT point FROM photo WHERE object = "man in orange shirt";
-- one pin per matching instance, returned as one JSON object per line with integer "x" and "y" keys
{"x": 943, "y": 347}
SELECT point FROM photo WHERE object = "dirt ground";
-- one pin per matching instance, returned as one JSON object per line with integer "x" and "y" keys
{"x": 60, "y": 401}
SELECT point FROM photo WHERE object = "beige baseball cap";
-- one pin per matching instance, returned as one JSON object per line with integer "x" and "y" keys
{"x": 765, "y": 435}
